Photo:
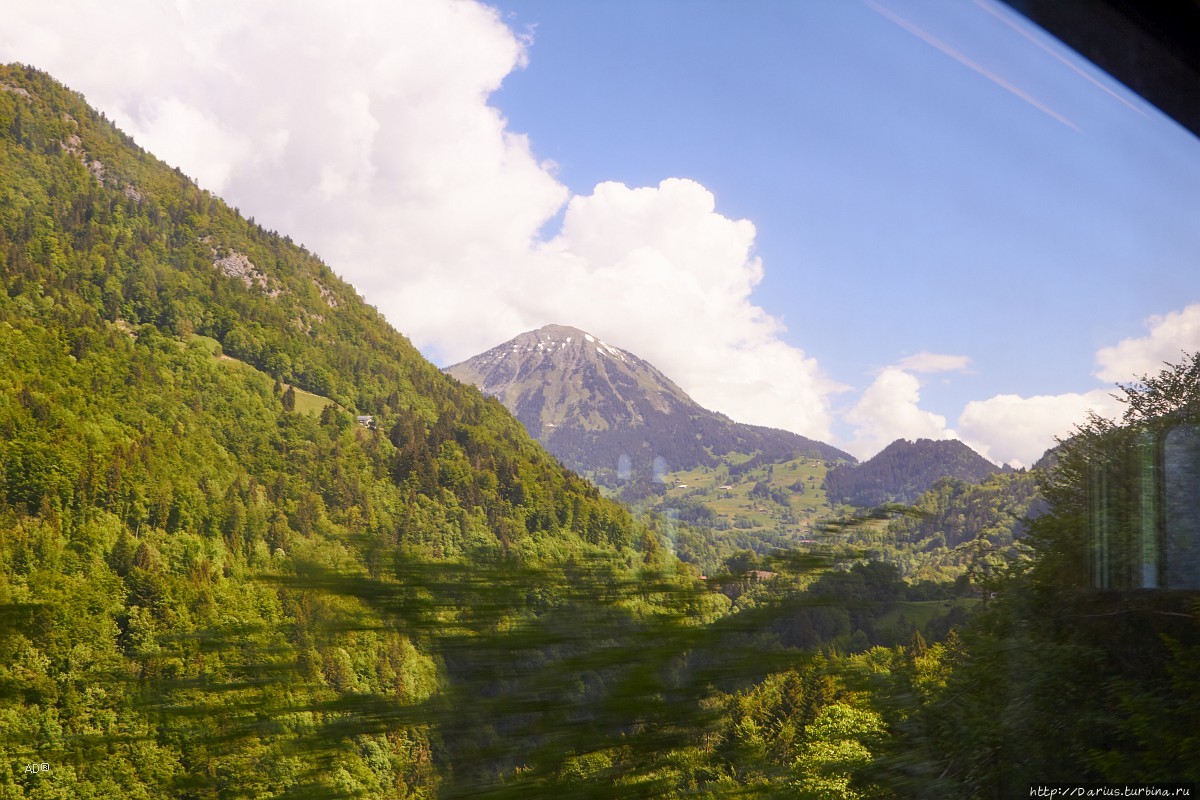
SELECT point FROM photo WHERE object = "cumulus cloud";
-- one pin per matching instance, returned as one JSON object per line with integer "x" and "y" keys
{"x": 368, "y": 136}
{"x": 890, "y": 409}
{"x": 661, "y": 267}
{"x": 1009, "y": 429}
{"x": 188, "y": 136}
{"x": 1170, "y": 335}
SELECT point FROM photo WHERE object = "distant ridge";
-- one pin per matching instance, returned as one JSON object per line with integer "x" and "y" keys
{"x": 904, "y": 470}
{"x": 607, "y": 413}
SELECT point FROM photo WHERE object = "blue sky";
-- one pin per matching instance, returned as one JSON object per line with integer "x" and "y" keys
{"x": 904, "y": 200}
{"x": 856, "y": 219}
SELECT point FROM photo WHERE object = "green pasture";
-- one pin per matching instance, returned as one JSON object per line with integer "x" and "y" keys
{"x": 306, "y": 402}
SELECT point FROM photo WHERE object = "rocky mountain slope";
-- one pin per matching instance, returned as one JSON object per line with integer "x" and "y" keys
{"x": 613, "y": 416}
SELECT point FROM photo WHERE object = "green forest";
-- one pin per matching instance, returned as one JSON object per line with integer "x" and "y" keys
{"x": 253, "y": 545}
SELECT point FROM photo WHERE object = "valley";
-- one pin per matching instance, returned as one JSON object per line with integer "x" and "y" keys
{"x": 217, "y": 582}
{"x": 785, "y": 498}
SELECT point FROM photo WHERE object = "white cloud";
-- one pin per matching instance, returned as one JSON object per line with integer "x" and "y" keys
{"x": 1170, "y": 336}
{"x": 188, "y": 136}
{"x": 889, "y": 410}
{"x": 1017, "y": 430}
{"x": 368, "y": 137}
{"x": 935, "y": 362}
{"x": 1006, "y": 429}
{"x": 660, "y": 267}
{"x": 1009, "y": 429}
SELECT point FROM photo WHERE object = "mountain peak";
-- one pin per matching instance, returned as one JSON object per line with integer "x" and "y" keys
{"x": 904, "y": 470}
{"x": 561, "y": 337}
{"x": 563, "y": 332}
{"x": 593, "y": 404}
{"x": 558, "y": 375}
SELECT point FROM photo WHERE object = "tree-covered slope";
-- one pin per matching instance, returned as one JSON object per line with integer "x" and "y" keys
{"x": 151, "y": 490}
{"x": 903, "y": 470}
{"x": 955, "y": 529}
{"x": 1084, "y": 668}
{"x": 109, "y": 254}
{"x": 216, "y": 583}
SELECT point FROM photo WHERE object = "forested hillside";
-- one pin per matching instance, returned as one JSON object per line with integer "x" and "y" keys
{"x": 147, "y": 485}
{"x": 956, "y": 528}
{"x": 252, "y": 545}
{"x": 1083, "y": 669}
{"x": 904, "y": 470}
{"x": 114, "y": 264}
